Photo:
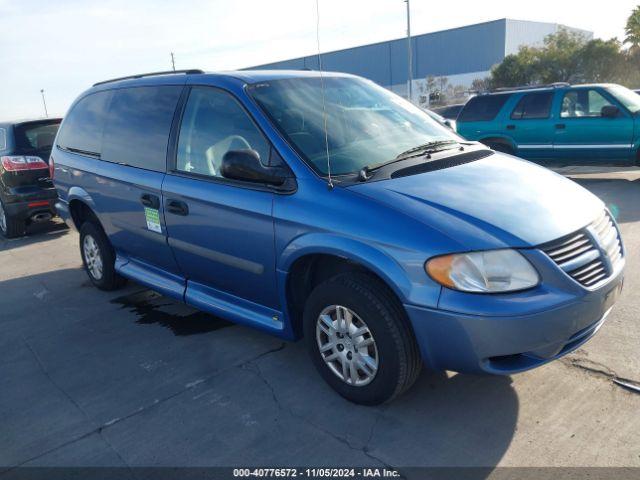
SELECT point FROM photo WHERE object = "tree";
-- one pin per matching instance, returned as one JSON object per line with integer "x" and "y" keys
{"x": 515, "y": 70}
{"x": 603, "y": 61}
{"x": 559, "y": 59}
{"x": 481, "y": 85}
{"x": 632, "y": 29}
{"x": 569, "y": 57}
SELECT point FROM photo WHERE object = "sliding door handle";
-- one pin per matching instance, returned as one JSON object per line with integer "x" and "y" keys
{"x": 560, "y": 126}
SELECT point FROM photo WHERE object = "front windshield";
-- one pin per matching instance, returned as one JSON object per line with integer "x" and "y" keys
{"x": 366, "y": 124}
{"x": 626, "y": 97}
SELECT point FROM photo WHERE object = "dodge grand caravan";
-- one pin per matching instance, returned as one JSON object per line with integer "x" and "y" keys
{"x": 560, "y": 122}
{"x": 331, "y": 209}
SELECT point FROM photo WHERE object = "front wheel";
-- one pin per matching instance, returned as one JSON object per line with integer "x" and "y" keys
{"x": 500, "y": 147}
{"x": 360, "y": 340}
{"x": 98, "y": 257}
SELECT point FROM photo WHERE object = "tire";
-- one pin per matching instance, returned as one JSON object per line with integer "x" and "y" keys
{"x": 99, "y": 258}
{"x": 500, "y": 147}
{"x": 10, "y": 227}
{"x": 373, "y": 306}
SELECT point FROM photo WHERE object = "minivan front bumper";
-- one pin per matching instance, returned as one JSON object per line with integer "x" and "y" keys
{"x": 509, "y": 344}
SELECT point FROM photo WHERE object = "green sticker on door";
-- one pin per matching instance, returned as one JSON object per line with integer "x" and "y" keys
{"x": 153, "y": 219}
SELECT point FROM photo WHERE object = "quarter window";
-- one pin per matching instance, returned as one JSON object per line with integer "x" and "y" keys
{"x": 533, "y": 106}
{"x": 138, "y": 126}
{"x": 483, "y": 108}
{"x": 583, "y": 103}
{"x": 3, "y": 139}
{"x": 83, "y": 127}
{"x": 213, "y": 124}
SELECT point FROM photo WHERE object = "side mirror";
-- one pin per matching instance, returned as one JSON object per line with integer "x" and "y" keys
{"x": 610, "y": 111}
{"x": 245, "y": 165}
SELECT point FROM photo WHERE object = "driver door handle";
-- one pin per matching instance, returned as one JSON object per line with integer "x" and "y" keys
{"x": 149, "y": 200}
{"x": 177, "y": 207}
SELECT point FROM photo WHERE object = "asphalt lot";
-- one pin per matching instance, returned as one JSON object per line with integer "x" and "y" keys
{"x": 129, "y": 378}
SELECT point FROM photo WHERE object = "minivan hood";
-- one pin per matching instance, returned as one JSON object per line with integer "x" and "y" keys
{"x": 491, "y": 203}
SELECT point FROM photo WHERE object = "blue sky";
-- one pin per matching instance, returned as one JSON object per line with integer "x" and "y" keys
{"x": 64, "y": 46}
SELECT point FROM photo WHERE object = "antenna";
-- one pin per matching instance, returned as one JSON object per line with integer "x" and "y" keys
{"x": 324, "y": 107}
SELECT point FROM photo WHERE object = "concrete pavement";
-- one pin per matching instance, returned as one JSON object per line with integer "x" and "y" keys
{"x": 129, "y": 378}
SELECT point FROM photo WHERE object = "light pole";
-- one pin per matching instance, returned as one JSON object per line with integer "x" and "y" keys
{"x": 46, "y": 114}
{"x": 409, "y": 54}
{"x": 173, "y": 62}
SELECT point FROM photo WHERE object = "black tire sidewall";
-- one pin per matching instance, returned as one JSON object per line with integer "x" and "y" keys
{"x": 109, "y": 275}
{"x": 14, "y": 227}
{"x": 385, "y": 384}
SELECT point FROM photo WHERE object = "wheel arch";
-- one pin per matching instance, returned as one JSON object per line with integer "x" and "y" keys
{"x": 499, "y": 139}
{"x": 309, "y": 260}
{"x": 81, "y": 207}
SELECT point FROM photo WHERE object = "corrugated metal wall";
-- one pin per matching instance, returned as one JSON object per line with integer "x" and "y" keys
{"x": 474, "y": 48}
{"x": 520, "y": 32}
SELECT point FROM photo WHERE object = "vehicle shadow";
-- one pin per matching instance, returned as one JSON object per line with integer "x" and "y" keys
{"x": 38, "y": 232}
{"x": 93, "y": 344}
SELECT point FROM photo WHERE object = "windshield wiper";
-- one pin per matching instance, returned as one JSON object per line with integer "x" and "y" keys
{"x": 426, "y": 149}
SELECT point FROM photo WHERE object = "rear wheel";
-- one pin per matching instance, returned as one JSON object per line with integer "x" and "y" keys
{"x": 359, "y": 339}
{"x": 98, "y": 257}
{"x": 10, "y": 227}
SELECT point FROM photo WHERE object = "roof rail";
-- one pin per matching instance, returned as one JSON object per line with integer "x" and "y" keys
{"x": 151, "y": 74}
{"x": 532, "y": 87}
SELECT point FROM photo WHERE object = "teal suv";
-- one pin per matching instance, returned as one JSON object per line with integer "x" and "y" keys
{"x": 560, "y": 122}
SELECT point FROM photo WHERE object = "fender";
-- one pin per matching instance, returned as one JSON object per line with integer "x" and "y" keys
{"x": 62, "y": 204}
{"x": 79, "y": 193}
{"x": 366, "y": 255}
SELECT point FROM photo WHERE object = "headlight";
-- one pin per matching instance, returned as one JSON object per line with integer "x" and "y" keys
{"x": 492, "y": 271}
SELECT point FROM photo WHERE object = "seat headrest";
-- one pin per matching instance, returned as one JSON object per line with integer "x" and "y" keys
{"x": 44, "y": 140}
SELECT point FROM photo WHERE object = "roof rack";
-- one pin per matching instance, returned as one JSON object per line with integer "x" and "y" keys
{"x": 532, "y": 87}
{"x": 151, "y": 74}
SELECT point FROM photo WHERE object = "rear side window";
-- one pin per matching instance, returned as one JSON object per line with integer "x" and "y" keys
{"x": 483, "y": 108}
{"x": 3, "y": 139}
{"x": 138, "y": 126}
{"x": 533, "y": 106}
{"x": 83, "y": 127}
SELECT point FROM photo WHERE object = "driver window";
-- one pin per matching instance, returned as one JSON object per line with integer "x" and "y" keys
{"x": 214, "y": 123}
{"x": 583, "y": 103}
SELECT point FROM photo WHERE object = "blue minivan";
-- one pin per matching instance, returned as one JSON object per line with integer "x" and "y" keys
{"x": 323, "y": 206}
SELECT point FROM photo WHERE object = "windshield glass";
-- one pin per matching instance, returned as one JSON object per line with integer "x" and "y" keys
{"x": 366, "y": 124}
{"x": 626, "y": 97}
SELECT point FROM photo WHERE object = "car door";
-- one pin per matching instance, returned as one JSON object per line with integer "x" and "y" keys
{"x": 582, "y": 133}
{"x": 128, "y": 187}
{"x": 531, "y": 126}
{"x": 221, "y": 231}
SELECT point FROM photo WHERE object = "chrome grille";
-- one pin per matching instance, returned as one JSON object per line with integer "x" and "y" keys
{"x": 589, "y": 255}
